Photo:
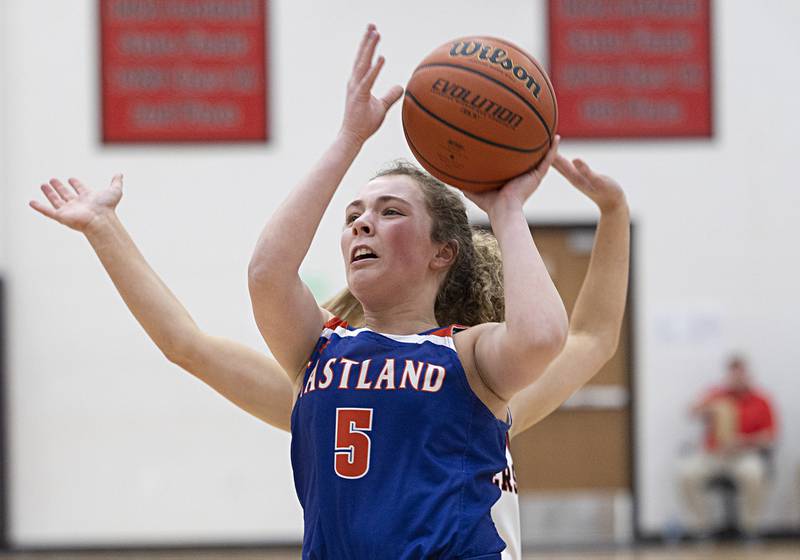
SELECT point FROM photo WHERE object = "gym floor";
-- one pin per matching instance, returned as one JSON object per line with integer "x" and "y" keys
{"x": 758, "y": 551}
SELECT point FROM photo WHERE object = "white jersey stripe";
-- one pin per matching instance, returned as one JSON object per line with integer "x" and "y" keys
{"x": 505, "y": 514}
{"x": 445, "y": 341}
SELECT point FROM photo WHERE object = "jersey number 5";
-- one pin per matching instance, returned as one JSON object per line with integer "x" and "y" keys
{"x": 353, "y": 446}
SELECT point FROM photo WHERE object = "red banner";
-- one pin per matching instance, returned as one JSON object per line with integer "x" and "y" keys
{"x": 183, "y": 70}
{"x": 631, "y": 68}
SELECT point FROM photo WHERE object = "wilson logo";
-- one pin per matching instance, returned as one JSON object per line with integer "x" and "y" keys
{"x": 499, "y": 57}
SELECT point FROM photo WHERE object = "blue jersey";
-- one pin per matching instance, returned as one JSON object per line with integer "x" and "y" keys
{"x": 393, "y": 453}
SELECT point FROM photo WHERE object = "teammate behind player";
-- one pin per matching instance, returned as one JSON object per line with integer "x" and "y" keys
{"x": 594, "y": 329}
{"x": 248, "y": 378}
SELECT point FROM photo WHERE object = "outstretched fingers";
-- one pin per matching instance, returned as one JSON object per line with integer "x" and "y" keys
{"x": 392, "y": 96}
{"x": 77, "y": 185}
{"x": 363, "y": 45}
{"x": 366, "y": 51}
{"x": 65, "y": 194}
{"x": 570, "y": 172}
{"x": 372, "y": 75}
{"x": 52, "y": 196}
{"x": 43, "y": 209}
{"x": 116, "y": 181}
{"x": 586, "y": 171}
{"x": 563, "y": 165}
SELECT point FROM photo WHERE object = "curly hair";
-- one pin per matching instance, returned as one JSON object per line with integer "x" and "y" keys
{"x": 472, "y": 291}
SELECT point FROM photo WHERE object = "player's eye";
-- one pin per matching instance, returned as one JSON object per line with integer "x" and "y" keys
{"x": 392, "y": 212}
{"x": 350, "y": 218}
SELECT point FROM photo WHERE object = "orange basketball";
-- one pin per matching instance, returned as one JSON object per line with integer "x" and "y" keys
{"x": 479, "y": 111}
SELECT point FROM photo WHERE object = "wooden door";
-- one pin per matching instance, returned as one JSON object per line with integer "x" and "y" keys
{"x": 585, "y": 445}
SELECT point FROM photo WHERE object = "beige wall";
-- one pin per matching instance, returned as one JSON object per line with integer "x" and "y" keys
{"x": 109, "y": 443}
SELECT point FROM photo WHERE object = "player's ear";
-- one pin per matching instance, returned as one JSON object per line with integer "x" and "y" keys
{"x": 445, "y": 255}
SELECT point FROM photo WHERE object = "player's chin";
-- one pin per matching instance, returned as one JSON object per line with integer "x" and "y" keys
{"x": 365, "y": 277}
{"x": 370, "y": 267}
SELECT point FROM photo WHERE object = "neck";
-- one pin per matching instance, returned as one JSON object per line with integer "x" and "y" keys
{"x": 402, "y": 308}
{"x": 400, "y": 319}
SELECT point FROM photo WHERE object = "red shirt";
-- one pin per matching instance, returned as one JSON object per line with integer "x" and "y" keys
{"x": 753, "y": 410}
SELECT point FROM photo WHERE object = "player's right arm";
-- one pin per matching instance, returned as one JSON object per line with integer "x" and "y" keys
{"x": 285, "y": 310}
{"x": 596, "y": 320}
{"x": 247, "y": 378}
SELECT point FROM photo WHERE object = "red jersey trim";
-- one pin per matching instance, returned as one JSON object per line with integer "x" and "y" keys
{"x": 334, "y": 322}
{"x": 448, "y": 331}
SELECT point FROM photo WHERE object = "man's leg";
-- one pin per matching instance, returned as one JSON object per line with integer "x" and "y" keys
{"x": 750, "y": 472}
{"x": 694, "y": 472}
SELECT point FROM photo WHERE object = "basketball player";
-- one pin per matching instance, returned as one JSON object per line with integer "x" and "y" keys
{"x": 399, "y": 426}
{"x": 593, "y": 331}
{"x": 246, "y": 377}
{"x": 258, "y": 385}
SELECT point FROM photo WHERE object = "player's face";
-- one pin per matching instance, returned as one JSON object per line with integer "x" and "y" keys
{"x": 386, "y": 241}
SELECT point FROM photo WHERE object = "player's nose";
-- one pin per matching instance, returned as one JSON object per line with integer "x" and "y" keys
{"x": 362, "y": 225}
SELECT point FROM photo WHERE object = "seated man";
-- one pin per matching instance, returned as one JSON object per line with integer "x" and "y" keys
{"x": 739, "y": 434}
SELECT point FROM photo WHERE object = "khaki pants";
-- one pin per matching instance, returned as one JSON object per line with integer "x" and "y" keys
{"x": 747, "y": 469}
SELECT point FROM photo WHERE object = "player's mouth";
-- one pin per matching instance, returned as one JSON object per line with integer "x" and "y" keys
{"x": 362, "y": 253}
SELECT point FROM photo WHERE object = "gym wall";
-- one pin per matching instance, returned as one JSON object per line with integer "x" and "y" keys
{"x": 111, "y": 444}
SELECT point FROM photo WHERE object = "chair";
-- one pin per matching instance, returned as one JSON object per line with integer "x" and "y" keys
{"x": 726, "y": 486}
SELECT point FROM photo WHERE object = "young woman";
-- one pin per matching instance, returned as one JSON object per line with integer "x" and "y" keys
{"x": 593, "y": 331}
{"x": 256, "y": 382}
{"x": 398, "y": 427}
{"x": 242, "y": 375}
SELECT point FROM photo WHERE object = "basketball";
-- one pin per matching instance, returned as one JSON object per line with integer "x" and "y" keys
{"x": 479, "y": 111}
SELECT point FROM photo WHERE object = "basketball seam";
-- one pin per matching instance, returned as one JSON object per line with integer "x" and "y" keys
{"x": 499, "y": 83}
{"x": 419, "y": 155}
{"x": 539, "y": 67}
{"x": 547, "y": 83}
{"x": 470, "y": 134}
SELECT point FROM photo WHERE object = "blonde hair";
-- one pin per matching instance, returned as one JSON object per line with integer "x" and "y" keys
{"x": 472, "y": 291}
{"x": 345, "y": 306}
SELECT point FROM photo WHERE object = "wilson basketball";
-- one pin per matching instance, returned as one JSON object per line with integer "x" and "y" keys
{"x": 479, "y": 111}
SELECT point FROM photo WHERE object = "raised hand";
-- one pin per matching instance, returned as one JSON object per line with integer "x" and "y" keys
{"x": 518, "y": 189}
{"x": 364, "y": 113}
{"x": 77, "y": 207}
{"x": 603, "y": 190}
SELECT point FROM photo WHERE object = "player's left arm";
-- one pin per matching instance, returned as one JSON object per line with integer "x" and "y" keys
{"x": 508, "y": 356}
{"x": 599, "y": 310}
